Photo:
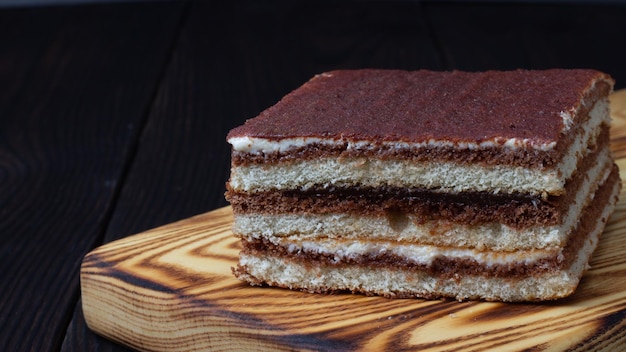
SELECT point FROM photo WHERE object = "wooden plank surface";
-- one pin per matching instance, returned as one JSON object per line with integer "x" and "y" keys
{"x": 509, "y": 35}
{"x": 75, "y": 84}
{"x": 171, "y": 288}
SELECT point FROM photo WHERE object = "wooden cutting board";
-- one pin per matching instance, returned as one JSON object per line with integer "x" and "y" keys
{"x": 171, "y": 289}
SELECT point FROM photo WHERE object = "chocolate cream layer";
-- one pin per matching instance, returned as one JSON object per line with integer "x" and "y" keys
{"x": 398, "y": 269}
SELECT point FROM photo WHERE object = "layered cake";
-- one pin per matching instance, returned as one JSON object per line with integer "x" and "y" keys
{"x": 467, "y": 185}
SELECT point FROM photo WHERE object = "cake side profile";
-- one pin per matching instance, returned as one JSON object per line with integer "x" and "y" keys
{"x": 484, "y": 185}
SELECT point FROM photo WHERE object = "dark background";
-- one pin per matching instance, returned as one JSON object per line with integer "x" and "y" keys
{"x": 113, "y": 116}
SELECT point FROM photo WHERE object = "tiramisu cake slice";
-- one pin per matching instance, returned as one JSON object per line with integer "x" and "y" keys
{"x": 483, "y": 185}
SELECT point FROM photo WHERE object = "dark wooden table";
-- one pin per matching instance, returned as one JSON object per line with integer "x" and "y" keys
{"x": 113, "y": 117}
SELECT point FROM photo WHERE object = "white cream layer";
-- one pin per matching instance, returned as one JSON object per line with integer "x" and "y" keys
{"x": 372, "y": 172}
{"x": 256, "y": 145}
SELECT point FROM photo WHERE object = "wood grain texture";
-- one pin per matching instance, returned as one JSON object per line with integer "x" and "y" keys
{"x": 171, "y": 288}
